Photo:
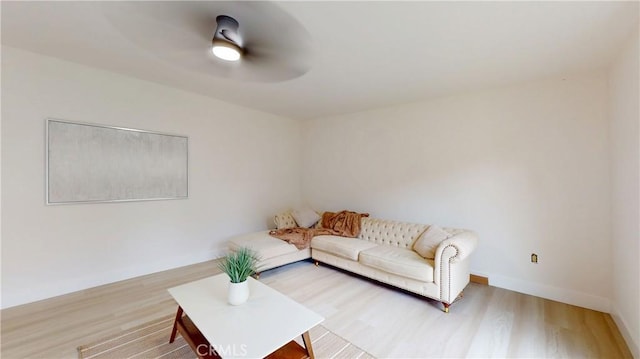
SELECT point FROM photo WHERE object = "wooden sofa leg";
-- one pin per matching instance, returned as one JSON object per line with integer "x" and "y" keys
{"x": 446, "y": 306}
{"x": 256, "y": 276}
{"x": 316, "y": 263}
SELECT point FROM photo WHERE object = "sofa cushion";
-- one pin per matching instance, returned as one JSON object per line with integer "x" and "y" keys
{"x": 305, "y": 217}
{"x": 263, "y": 244}
{"x": 284, "y": 220}
{"x": 429, "y": 241}
{"x": 341, "y": 246}
{"x": 399, "y": 261}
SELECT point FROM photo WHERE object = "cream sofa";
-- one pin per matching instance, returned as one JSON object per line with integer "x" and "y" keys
{"x": 384, "y": 252}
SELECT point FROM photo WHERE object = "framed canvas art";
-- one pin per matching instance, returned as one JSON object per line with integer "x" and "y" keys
{"x": 96, "y": 163}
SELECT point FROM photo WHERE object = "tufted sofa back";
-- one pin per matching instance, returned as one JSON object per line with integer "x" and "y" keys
{"x": 393, "y": 233}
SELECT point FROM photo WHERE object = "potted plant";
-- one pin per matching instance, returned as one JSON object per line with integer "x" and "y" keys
{"x": 239, "y": 266}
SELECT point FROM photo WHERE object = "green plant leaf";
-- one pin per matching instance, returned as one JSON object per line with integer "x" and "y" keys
{"x": 239, "y": 265}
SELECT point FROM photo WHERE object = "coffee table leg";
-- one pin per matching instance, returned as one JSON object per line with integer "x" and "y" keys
{"x": 307, "y": 344}
{"x": 175, "y": 325}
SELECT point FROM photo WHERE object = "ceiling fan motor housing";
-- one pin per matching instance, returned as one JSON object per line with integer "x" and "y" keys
{"x": 227, "y": 30}
{"x": 227, "y": 43}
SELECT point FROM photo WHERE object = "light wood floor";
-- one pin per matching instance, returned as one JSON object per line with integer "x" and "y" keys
{"x": 487, "y": 322}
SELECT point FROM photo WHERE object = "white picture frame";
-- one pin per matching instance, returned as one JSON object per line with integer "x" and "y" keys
{"x": 90, "y": 163}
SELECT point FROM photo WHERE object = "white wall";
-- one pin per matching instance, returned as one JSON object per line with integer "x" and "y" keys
{"x": 244, "y": 167}
{"x": 526, "y": 167}
{"x": 625, "y": 181}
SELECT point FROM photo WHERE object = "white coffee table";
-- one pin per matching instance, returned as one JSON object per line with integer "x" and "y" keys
{"x": 268, "y": 321}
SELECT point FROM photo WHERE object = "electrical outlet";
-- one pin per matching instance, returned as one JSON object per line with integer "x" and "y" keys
{"x": 534, "y": 258}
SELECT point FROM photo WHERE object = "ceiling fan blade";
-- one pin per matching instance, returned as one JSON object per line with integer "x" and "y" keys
{"x": 270, "y": 70}
{"x": 277, "y": 47}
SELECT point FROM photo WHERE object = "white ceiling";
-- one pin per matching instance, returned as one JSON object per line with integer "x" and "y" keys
{"x": 365, "y": 54}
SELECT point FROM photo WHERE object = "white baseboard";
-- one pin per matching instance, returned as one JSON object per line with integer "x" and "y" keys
{"x": 633, "y": 345}
{"x": 554, "y": 293}
{"x": 87, "y": 281}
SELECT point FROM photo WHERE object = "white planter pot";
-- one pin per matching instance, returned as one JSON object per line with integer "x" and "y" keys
{"x": 238, "y": 292}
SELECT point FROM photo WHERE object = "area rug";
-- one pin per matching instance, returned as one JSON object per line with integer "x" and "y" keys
{"x": 151, "y": 340}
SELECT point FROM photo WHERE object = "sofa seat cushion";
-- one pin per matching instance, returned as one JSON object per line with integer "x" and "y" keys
{"x": 263, "y": 244}
{"x": 344, "y": 247}
{"x": 399, "y": 261}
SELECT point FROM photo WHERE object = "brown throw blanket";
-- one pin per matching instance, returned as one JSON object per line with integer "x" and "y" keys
{"x": 299, "y": 237}
{"x": 344, "y": 223}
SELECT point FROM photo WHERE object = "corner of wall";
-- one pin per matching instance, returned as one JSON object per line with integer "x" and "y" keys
{"x": 624, "y": 109}
{"x": 632, "y": 343}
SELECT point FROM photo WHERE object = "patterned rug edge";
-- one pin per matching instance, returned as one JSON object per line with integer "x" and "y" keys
{"x": 137, "y": 334}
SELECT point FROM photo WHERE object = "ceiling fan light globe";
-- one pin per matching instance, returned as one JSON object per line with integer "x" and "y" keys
{"x": 226, "y": 51}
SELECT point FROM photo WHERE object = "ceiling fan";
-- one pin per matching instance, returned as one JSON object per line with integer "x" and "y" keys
{"x": 226, "y": 41}
{"x": 241, "y": 40}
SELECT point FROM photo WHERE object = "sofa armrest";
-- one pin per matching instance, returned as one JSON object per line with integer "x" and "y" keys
{"x": 464, "y": 243}
{"x": 451, "y": 264}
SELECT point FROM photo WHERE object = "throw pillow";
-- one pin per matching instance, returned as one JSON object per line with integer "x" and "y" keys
{"x": 305, "y": 217}
{"x": 428, "y": 241}
{"x": 284, "y": 220}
